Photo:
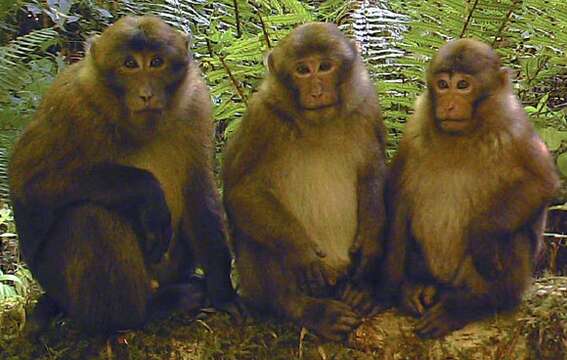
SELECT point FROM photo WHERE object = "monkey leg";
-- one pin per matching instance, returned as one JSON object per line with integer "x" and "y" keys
{"x": 92, "y": 267}
{"x": 41, "y": 315}
{"x": 474, "y": 297}
{"x": 268, "y": 285}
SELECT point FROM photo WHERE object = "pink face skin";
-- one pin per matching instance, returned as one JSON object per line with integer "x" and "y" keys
{"x": 455, "y": 94}
{"x": 316, "y": 79}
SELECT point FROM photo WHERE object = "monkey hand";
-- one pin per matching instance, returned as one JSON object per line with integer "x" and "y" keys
{"x": 154, "y": 223}
{"x": 364, "y": 253}
{"x": 437, "y": 322}
{"x": 314, "y": 277}
{"x": 417, "y": 298}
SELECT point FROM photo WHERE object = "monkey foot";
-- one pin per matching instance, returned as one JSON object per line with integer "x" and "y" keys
{"x": 417, "y": 298}
{"x": 437, "y": 322}
{"x": 330, "y": 319}
{"x": 360, "y": 300}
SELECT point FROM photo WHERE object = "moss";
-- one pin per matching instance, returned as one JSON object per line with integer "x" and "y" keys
{"x": 537, "y": 331}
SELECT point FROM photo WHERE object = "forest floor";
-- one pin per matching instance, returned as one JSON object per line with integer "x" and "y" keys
{"x": 537, "y": 331}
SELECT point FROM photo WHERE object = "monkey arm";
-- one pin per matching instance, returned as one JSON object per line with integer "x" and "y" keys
{"x": 367, "y": 247}
{"x": 397, "y": 232}
{"x": 135, "y": 193}
{"x": 203, "y": 226}
{"x": 513, "y": 208}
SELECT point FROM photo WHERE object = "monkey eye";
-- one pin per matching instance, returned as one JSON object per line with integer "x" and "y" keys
{"x": 302, "y": 69}
{"x": 156, "y": 62}
{"x": 325, "y": 66}
{"x": 130, "y": 63}
{"x": 442, "y": 84}
{"x": 462, "y": 84}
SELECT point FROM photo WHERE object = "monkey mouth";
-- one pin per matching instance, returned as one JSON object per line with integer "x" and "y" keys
{"x": 149, "y": 111}
{"x": 313, "y": 107}
{"x": 453, "y": 124}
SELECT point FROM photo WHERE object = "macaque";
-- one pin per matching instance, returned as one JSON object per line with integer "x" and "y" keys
{"x": 112, "y": 184}
{"x": 303, "y": 184}
{"x": 468, "y": 192}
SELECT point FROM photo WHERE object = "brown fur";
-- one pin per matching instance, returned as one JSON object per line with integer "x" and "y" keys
{"x": 303, "y": 188}
{"x": 467, "y": 209}
{"x": 96, "y": 185}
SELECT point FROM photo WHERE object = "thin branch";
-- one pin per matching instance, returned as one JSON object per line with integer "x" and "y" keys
{"x": 505, "y": 22}
{"x": 467, "y": 22}
{"x": 237, "y": 15}
{"x": 263, "y": 24}
{"x": 234, "y": 81}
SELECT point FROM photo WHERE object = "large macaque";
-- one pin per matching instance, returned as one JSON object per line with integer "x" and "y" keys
{"x": 303, "y": 179}
{"x": 467, "y": 192}
{"x": 112, "y": 184}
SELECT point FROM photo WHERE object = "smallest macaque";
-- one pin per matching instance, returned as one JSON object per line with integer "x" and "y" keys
{"x": 468, "y": 193}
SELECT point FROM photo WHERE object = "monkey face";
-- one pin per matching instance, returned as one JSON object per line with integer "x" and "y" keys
{"x": 316, "y": 80}
{"x": 455, "y": 95}
{"x": 144, "y": 88}
{"x": 143, "y": 61}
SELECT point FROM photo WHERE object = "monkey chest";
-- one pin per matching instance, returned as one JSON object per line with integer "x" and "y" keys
{"x": 166, "y": 161}
{"x": 318, "y": 187}
{"x": 442, "y": 203}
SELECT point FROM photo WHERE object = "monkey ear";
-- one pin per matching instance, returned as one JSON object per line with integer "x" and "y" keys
{"x": 188, "y": 40}
{"x": 504, "y": 75}
{"x": 354, "y": 46}
{"x": 269, "y": 62}
{"x": 90, "y": 44}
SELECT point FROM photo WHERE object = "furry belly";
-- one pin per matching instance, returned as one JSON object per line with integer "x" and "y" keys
{"x": 441, "y": 241}
{"x": 322, "y": 196}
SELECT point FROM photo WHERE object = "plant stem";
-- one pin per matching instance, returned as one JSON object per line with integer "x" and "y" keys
{"x": 234, "y": 81}
{"x": 505, "y": 22}
{"x": 237, "y": 15}
{"x": 467, "y": 22}
{"x": 263, "y": 24}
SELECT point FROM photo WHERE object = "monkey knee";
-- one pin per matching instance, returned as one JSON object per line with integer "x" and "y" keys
{"x": 101, "y": 278}
{"x": 109, "y": 301}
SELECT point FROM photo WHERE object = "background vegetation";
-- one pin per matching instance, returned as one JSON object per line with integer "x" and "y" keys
{"x": 39, "y": 38}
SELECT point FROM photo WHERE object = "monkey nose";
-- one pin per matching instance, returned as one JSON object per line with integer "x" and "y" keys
{"x": 146, "y": 97}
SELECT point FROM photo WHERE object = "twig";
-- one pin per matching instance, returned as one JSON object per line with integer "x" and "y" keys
{"x": 237, "y": 15}
{"x": 503, "y": 25}
{"x": 263, "y": 24}
{"x": 467, "y": 22}
{"x": 234, "y": 81}
{"x": 302, "y": 334}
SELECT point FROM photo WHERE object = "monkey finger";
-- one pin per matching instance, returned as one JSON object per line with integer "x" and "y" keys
{"x": 355, "y": 248}
{"x": 318, "y": 251}
{"x": 429, "y": 318}
{"x": 414, "y": 304}
{"x": 357, "y": 299}
{"x": 428, "y": 295}
{"x": 301, "y": 281}
{"x": 237, "y": 311}
{"x": 345, "y": 291}
{"x": 318, "y": 275}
